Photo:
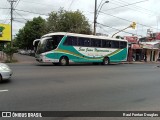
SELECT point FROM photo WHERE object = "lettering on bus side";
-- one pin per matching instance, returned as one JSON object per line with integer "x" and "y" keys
{"x": 81, "y": 49}
{"x": 99, "y": 50}
{"x": 92, "y": 50}
{"x": 89, "y": 50}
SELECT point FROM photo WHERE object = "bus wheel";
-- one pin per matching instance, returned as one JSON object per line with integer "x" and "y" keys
{"x": 0, "y": 78}
{"x": 64, "y": 61}
{"x": 106, "y": 61}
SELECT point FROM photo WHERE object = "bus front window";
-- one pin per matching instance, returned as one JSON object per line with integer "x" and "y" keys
{"x": 41, "y": 46}
{"x": 48, "y": 43}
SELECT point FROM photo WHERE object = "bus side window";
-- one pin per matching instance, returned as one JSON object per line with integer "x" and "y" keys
{"x": 123, "y": 45}
{"x": 71, "y": 41}
{"x": 103, "y": 43}
{"x": 95, "y": 42}
{"x": 83, "y": 42}
{"x": 106, "y": 43}
{"x": 115, "y": 44}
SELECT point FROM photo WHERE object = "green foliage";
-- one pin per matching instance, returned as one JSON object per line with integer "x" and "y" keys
{"x": 61, "y": 21}
{"x": 32, "y": 30}
{"x": 68, "y": 21}
{"x": 9, "y": 51}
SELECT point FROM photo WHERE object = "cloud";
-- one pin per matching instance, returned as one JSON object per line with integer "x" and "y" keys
{"x": 144, "y": 13}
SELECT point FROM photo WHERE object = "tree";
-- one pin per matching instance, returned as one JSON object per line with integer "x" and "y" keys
{"x": 32, "y": 30}
{"x": 68, "y": 21}
{"x": 61, "y": 21}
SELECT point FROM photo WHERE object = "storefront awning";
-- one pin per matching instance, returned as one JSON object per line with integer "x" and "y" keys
{"x": 150, "y": 45}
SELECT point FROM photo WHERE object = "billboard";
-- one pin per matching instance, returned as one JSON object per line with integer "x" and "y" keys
{"x": 5, "y": 32}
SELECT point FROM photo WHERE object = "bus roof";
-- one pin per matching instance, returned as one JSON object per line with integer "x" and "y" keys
{"x": 81, "y": 35}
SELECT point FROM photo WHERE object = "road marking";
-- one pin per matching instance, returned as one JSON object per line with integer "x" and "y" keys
{"x": 3, "y": 90}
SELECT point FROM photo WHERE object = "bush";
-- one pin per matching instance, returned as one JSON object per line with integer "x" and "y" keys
{"x": 9, "y": 51}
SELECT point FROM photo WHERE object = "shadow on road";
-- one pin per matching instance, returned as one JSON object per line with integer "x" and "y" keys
{"x": 79, "y": 64}
{"x": 5, "y": 81}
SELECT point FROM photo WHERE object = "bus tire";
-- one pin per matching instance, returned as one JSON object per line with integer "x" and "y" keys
{"x": 106, "y": 61}
{"x": 1, "y": 78}
{"x": 64, "y": 61}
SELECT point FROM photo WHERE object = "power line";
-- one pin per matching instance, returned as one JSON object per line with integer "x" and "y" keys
{"x": 137, "y": 7}
{"x": 124, "y": 20}
{"x": 21, "y": 16}
{"x": 32, "y": 12}
{"x": 19, "y": 21}
{"x": 118, "y": 29}
{"x": 126, "y": 5}
{"x": 38, "y": 3}
{"x": 17, "y": 3}
{"x": 4, "y": 8}
{"x": 129, "y": 20}
{"x": 70, "y": 4}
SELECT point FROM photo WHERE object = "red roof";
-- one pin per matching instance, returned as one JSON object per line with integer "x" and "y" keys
{"x": 136, "y": 46}
{"x": 131, "y": 39}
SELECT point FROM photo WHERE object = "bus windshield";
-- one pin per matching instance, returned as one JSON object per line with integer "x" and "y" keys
{"x": 43, "y": 45}
{"x": 48, "y": 43}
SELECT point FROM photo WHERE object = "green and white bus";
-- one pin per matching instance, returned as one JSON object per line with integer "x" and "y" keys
{"x": 63, "y": 48}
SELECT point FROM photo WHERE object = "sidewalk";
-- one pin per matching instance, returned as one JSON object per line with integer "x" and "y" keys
{"x": 30, "y": 59}
{"x": 20, "y": 58}
{"x": 138, "y": 62}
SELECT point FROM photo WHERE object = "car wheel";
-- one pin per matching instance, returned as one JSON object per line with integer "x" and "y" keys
{"x": 64, "y": 61}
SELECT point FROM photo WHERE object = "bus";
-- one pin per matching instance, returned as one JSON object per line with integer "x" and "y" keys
{"x": 64, "y": 48}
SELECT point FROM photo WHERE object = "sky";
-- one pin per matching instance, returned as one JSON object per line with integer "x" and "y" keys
{"x": 112, "y": 16}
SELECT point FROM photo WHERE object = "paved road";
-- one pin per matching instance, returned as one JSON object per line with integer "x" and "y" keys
{"x": 37, "y": 87}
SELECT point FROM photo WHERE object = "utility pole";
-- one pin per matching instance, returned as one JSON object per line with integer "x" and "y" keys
{"x": 95, "y": 17}
{"x": 96, "y": 13}
{"x": 11, "y": 2}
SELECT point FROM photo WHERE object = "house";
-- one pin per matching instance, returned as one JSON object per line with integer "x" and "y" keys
{"x": 135, "y": 51}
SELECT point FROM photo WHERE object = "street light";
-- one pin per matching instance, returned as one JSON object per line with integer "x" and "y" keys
{"x": 95, "y": 13}
{"x": 100, "y": 7}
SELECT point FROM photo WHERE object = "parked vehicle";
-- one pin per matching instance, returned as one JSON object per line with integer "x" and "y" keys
{"x": 5, "y": 72}
{"x": 26, "y": 52}
{"x": 23, "y": 52}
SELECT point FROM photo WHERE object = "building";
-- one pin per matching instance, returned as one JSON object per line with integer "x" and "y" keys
{"x": 151, "y": 50}
{"x": 151, "y": 46}
{"x": 143, "y": 49}
{"x": 135, "y": 51}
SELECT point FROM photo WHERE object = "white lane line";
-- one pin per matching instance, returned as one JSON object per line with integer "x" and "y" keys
{"x": 3, "y": 90}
